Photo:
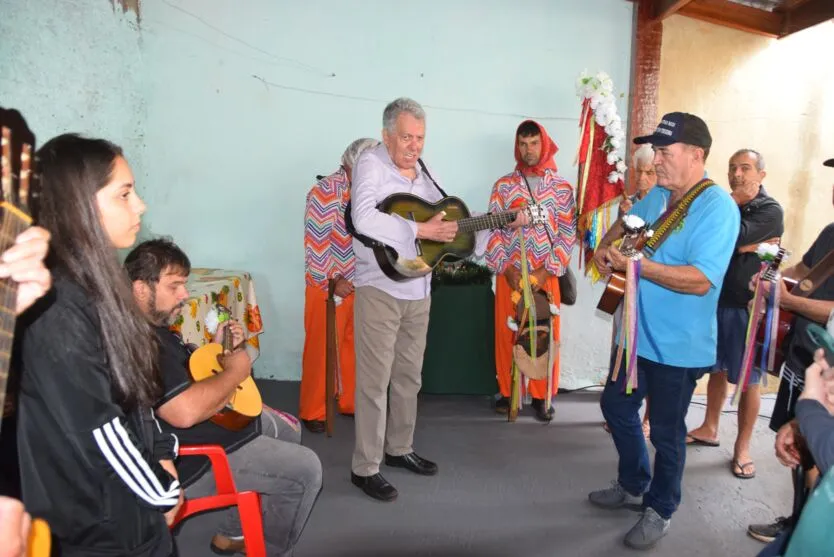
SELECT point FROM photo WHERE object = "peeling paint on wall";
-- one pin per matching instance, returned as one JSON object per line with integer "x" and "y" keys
{"x": 129, "y": 5}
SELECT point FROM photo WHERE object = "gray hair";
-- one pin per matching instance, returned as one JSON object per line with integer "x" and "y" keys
{"x": 351, "y": 154}
{"x": 760, "y": 162}
{"x": 397, "y": 107}
{"x": 644, "y": 154}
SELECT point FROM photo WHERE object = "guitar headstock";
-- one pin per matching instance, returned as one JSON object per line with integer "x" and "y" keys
{"x": 18, "y": 180}
{"x": 774, "y": 255}
{"x": 636, "y": 232}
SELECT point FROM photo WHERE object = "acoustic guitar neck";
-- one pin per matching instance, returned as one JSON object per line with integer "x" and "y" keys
{"x": 15, "y": 182}
{"x": 486, "y": 222}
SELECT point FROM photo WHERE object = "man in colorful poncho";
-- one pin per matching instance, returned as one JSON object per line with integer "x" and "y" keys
{"x": 672, "y": 327}
{"x": 534, "y": 181}
{"x": 328, "y": 254}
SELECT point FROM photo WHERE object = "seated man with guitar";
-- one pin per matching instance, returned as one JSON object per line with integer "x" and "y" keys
{"x": 264, "y": 453}
{"x": 400, "y": 232}
{"x": 811, "y": 437}
{"x": 811, "y": 300}
{"x": 672, "y": 288}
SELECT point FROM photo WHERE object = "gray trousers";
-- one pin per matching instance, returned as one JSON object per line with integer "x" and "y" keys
{"x": 390, "y": 338}
{"x": 287, "y": 475}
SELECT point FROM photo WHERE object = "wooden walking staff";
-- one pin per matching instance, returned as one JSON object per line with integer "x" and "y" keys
{"x": 331, "y": 359}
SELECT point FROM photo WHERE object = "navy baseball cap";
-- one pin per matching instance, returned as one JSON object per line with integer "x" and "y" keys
{"x": 829, "y": 162}
{"x": 679, "y": 127}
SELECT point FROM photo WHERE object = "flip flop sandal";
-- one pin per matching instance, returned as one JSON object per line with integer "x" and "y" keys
{"x": 692, "y": 440}
{"x": 743, "y": 475}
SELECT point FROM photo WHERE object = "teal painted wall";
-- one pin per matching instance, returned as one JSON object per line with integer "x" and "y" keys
{"x": 228, "y": 110}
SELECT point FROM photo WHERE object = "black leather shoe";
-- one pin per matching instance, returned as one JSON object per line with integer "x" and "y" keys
{"x": 541, "y": 415}
{"x": 502, "y": 405}
{"x": 412, "y": 461}
{"x": 314, "y": 426}
{"x": 375, "y": 486}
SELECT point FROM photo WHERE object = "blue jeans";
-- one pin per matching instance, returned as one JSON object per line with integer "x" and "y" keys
{"x": 670, "y": 390}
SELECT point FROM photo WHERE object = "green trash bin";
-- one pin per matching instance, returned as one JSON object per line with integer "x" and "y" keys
{"x": 460, "y": 345}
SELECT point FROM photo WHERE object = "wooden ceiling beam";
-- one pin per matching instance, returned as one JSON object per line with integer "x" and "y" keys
{"x": 807, "y": 14}
{"x": 737, "y": 16}
{"x": 665, "y": 8}
{"x": 789, "y": 5}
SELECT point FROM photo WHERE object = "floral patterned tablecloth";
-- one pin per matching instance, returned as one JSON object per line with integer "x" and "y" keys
{"x": 233, "y": 289}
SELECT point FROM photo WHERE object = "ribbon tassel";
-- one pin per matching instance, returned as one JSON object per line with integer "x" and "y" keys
{"x": 753, "y": 323}
{"x": 628, "y": 328}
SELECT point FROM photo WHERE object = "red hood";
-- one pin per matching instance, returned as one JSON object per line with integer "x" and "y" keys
{"x": 549, "y": 150}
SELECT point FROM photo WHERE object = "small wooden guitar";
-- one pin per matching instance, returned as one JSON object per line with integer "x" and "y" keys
{"x": 19, "y": 187}
{"x": 636, "y": 234}
{"x": 431, "y": 253}
{"x": 245, "y": 404}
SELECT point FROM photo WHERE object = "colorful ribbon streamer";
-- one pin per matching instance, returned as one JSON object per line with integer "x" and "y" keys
{"x": 758, "y": 307}
{"x": 628, "y": 327}
{"x": 526, "y": 290}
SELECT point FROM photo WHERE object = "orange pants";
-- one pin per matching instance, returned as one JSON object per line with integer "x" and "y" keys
{"x": 505, "y": 308}
{"x": 314, "y": 360}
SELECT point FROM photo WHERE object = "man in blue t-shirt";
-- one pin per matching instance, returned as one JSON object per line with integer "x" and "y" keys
{"x": 677, "y": 299}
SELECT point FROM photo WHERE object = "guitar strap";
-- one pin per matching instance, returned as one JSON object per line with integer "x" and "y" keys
{"x": 674, "y": 215}
{"x": 426, "y": 171}
{"x": 821, "y": 272}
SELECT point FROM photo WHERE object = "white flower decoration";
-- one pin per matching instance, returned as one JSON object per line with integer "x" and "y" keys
{"x": 633, "y": 221}
{"x": 212, "y": 320}
{"x": 599, "y": 90}
{"x": 513, "y": 326}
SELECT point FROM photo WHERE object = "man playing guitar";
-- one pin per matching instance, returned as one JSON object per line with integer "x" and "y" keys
{"x": 677, "y": 297}
{"x": 799, "y": 353}
{"x": 265, "y": 456}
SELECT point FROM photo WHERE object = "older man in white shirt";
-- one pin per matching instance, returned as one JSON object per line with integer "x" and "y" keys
{"x": 391, "y": 317}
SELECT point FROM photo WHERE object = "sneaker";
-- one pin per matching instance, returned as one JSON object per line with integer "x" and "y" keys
{"x": 766, "y": 533}
{"x": 614, "y": 497}
{"x": 228, "y": 545}
{"x": 648, "y": 531}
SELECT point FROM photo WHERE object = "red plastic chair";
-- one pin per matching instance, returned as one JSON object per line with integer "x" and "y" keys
{"x": 248, "y": 502}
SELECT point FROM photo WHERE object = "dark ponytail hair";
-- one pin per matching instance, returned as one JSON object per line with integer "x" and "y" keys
{"x": 73, "y": 169}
